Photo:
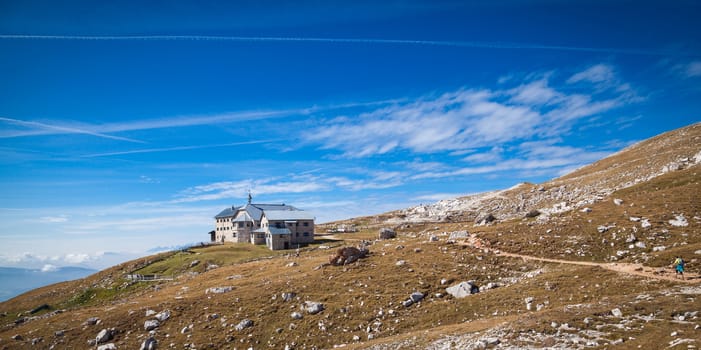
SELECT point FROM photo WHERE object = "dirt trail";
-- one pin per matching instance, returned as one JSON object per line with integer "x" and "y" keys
{"x": 659, "y": 273}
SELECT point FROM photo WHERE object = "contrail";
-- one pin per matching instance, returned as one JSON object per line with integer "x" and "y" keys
{"x": 468, "y": 44}
{"x": 67, "y": 130}
{"x": 178, "y": 148}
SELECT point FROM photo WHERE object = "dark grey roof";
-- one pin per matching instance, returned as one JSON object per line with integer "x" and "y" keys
{"x": 226, "y": 213}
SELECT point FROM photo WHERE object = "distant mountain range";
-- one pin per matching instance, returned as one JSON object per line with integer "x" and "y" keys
{"x": 15, "y": 281}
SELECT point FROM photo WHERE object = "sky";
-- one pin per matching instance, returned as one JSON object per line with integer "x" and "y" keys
{"x": 125, "y": 126}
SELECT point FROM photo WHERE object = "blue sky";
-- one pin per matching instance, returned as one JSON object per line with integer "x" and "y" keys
{"x": 126, "y": 126}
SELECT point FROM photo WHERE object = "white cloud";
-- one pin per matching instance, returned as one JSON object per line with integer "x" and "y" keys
{"x": 49, "y": 263}
{"x": 239, "y": 189}
{"x": 599, "y": 73}
{"x": 462, "y": 120}
{"x": 688, "y": 70}
{"x": 76, "y": 258}
{"x": 49, "y": 268}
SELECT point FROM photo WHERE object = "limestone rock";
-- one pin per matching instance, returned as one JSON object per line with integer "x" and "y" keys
{"x": 312, "y": 307}
{"x": 288, "y": 296}
{"x": 462, "y": 289}
{"x": 387, "y": 233}
{"x": 245, "y": 323}
{"x": 219, "y": 290}
{"x": 151, "y": 325}
{"x": 91, "y": 321}
{"x": 163, "y": 315}
{"x": 104, "y": 336}
{"x": 149, "y": 344}
{"x": 679, "y": 221}
{"x": 416, "y": 296}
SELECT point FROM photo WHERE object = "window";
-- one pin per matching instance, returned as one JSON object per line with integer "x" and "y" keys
{"x": 306, "y": 234}
{"x": 240, "y": 224}
{"x": 306, "y": 223}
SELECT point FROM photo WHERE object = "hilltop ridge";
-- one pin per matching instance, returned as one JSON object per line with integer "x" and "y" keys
{"x": 643, "y": 161}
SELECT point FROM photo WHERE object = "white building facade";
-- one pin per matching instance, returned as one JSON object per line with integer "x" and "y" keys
{"x": 278, "y": 226}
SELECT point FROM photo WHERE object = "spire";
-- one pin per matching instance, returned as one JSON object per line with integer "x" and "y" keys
{"x": 249, "y": 197}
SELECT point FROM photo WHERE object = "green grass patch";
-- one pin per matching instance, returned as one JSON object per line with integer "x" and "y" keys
{"x": 227, "y": 254}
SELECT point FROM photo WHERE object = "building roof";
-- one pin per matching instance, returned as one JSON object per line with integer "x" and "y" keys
{"x": 226, "y": 213}
{"x": 244, "y": 217}
{"x": 279, "y": 231}
{"x": 254, "y": 212}
{"x": 288, "y": 215}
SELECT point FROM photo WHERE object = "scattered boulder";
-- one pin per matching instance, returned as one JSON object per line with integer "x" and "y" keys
{"x": 104, "y": 336}
{"x": 617, "y": 313}
{"x": 533, "y": 213}
{"x": 245, "y": 323}
{"x": 459, "y": 235}
{"x": 288, "y": 296}
{"x": 296, "y": 315}
{"x": 387, "y": 233}
{"x": 109, "y": 346}
{"x": 149, "y": 344}
{"x": 679, "y": 221}
{"x": 194, "y": 263}
{"x": 617, "y": 201}
{"x": 463, "y": 289}
{"x": 487, "y": 219}
{"x": 151, "y": 325}
{"x": 150, "y": 312}
{"x": 38, "y": 340}
{"x": 91, "y": 321}
{"x": 312, "y": 307}
{"x": 645, "y": 223}
{"x": 416, "y": 296}
{"x": 347, "y": 255}
{"x": 219, "y": 290}
{"x": 163, "y": 315}
{"x": 490, "y": 285}
{"x": 433, "y": 238}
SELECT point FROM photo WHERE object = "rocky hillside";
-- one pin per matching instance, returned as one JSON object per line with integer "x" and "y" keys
{"x": 579, "y": 262}
{"x": 672, "y": 151}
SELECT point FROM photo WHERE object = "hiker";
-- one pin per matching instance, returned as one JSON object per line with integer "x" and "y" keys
{"x": 679, "y": 266}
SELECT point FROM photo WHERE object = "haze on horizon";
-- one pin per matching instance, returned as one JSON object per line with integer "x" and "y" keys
{"x": 127, "y": 126}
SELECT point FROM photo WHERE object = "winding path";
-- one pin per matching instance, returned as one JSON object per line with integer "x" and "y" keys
{"x": 659, "y": 273}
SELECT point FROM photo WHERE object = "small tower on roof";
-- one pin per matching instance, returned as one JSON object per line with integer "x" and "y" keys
{"x": 249, "y": 197}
